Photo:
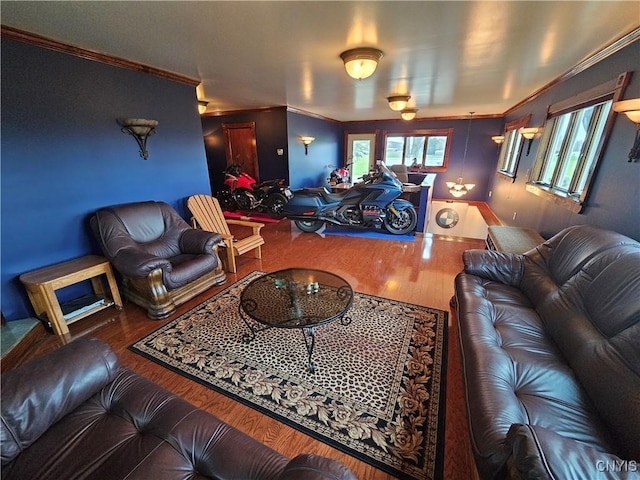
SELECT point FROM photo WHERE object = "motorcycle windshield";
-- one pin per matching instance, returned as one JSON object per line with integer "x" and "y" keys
{"x": 389, "y": 175}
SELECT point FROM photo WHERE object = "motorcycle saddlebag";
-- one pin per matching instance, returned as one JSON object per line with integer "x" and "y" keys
{"x": 304, "y": 201}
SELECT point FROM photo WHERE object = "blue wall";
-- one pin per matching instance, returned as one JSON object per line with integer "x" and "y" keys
{"x": 482, "y": 153}
{"x": 64, "y": 156}
{"x": 312, "y": 170}
{"x": 614, "y": 199}
{"x": 271, "y": 135}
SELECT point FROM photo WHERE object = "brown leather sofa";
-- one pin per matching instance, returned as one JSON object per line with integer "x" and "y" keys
{"x": 162, "y": 261}
{"x": 550, "y": 344}
{"x": 76, "y": 414}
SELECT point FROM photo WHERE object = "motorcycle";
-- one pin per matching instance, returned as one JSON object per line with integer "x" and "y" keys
{"x": 241, "y": 192}
{"x": 372, "y": 203}
{"x": 339, "y": 175}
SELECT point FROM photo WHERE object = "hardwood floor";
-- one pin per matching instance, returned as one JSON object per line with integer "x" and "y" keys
{"x": 421, "y": 272}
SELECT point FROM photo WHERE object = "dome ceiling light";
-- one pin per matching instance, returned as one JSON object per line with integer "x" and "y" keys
{"x": 361, "y": 62}
{"x": 398, "y": 103}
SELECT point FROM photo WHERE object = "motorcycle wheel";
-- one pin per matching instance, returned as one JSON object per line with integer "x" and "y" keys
{"x": 403, "y": 223}
{"x": 309, "y": 226}
{"x": 275, "y": 205}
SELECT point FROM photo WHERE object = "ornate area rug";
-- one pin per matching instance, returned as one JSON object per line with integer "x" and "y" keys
{"x": 377, "y": 392}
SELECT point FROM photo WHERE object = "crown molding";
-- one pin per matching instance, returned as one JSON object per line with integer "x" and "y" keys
{"x": 588, "y": 62}
{"x": 44, "y": 42}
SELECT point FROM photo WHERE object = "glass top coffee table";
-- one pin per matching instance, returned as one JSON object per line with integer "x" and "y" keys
{"x": 301, "y": 298}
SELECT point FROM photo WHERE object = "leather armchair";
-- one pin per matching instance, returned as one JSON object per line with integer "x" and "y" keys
{"x": 163, "y": 262}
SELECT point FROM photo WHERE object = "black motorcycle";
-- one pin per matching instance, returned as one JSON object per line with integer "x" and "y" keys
{"x": 372, "y": 203}
{"x": 241, "y": 192}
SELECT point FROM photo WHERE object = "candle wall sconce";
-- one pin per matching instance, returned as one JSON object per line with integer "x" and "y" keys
{"x": 140, "y": 129}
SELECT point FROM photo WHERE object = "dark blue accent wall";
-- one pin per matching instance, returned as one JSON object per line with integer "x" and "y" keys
{"x": 271, "y": 135}
{"x": 614, "y": 199}
{"x": 312, "y": 169}
{"x": 64, "y": 156}
{"x": 482, "y": 152}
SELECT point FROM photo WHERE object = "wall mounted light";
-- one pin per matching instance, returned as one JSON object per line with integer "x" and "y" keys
{"x": 408, "y": 113}
{"x": 140, "y": 129}
{"x": 361, "y": 62}
{"x": 202, "y": 106}
{"x": 398, "y": 103}
{"x": 306, "y": 141}
{"x": 631, "y": 108}
{"x": 529, "y": 133}
{"x": 499, "y": 139}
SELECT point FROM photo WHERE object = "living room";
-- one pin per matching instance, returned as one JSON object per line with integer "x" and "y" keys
{"x": 64, "y": 156}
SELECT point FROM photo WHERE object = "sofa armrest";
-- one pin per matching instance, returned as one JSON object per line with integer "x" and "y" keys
{"x": 39, "y": 393}
{"x": 507, "y": 268}
{"x": 136, "y": 263}
{"x": 314, "y": 467}
{"x": 539, "y": 453}
{"x": 199, "y": 241}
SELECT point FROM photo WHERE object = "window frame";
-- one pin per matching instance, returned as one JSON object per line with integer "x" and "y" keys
{"x": 441, "y": 132}
{"x": 585, "y": 171}
{"x": 511, "y": 133}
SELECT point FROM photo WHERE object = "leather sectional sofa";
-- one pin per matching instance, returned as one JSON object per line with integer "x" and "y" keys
{"x": 76, "y": 414}
{"x": 550, "y": 344}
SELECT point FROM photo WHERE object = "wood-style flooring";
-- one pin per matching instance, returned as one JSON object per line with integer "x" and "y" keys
{"x": 421, "y": 272}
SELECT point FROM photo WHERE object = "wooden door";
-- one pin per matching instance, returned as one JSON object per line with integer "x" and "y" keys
{"x": 240, "y": 147}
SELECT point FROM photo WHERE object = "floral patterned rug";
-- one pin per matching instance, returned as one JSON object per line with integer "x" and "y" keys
{"x": 377, "y": 392}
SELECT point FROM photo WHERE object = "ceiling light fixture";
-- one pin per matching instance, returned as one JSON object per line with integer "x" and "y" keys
{"x": 361, "y": 62}
{"x": 398, "y": 103}
{"x": 631, "y": 108}
{"x": 458, "y": 188}
{"x": 140, "y": 129}
{"x": 408, "y": 113}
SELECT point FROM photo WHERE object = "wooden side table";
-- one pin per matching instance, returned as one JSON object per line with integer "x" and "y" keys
{"x": 42, "y": 284}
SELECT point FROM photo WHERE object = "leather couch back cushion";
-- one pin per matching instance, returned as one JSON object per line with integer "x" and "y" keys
{"x": 41, "y": 392}
{"x": 143, "y": 221}
{"x": 577, "y": 247}
{"x": 595, "y": 320}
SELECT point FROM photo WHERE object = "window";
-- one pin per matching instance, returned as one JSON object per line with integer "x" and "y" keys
{"x": 573, "y": 140}
{"x": 426, "y": 150}
{"x": 511, "y": 148}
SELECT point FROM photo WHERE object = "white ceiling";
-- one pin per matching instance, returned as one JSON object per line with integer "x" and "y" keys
{"x": 451, "y": 57}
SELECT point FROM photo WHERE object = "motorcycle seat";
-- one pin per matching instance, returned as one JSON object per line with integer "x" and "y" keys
{"x": 327, "y": 196}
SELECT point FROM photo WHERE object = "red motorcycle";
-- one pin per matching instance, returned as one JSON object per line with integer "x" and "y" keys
{"x": 241, "y": 192}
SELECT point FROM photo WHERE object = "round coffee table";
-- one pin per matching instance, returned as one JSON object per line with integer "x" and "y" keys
{"x": 300, "y": 298}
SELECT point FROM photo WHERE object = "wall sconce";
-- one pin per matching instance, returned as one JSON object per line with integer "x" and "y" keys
{"x": 398, "y": 103}
{"x": 140, "y": 129}
{"x": 306, "y": 141}
{"x": 361, "y": 62}
{"x": 631, "y": 108}
{"x": 408, "y": 113}
{"x": 202, "y": 106}
{"x": 499, "y": 139}
{"x": 529, "y": 134}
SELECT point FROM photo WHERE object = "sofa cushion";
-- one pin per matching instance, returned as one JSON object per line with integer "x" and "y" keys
{"x": 38, "y": 394}
{"x": 541, "y": 454}
{"x": 595, "y": 320}
{"x": 552, "y": 264}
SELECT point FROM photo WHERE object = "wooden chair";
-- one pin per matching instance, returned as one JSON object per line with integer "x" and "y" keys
{"x": 207, "y": 215}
